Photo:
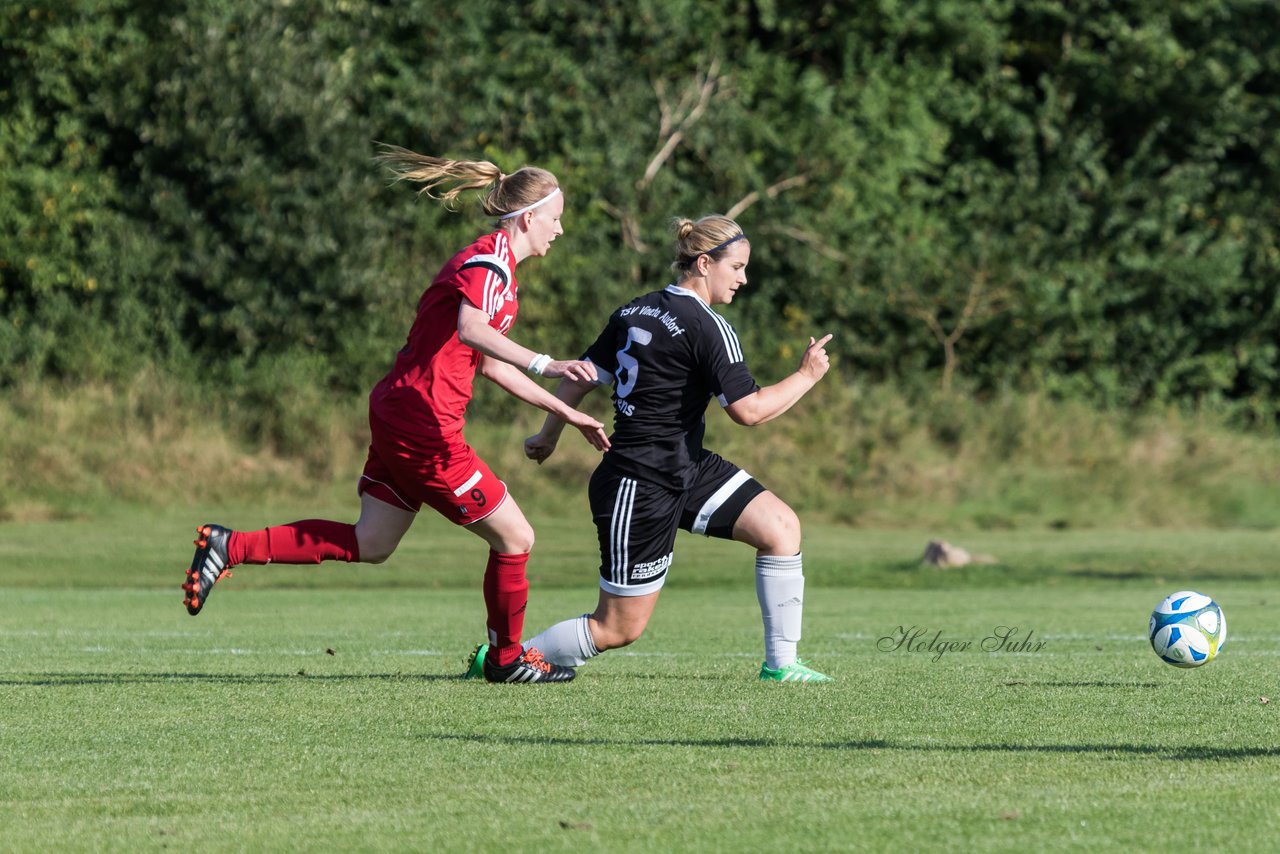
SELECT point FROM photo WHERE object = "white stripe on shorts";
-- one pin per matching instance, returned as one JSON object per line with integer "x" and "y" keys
{"x": 471, "y": 481}
{"x": 720, "y": 496}
{"x": 398, "y": 496}
{"x": 620, "y": 531}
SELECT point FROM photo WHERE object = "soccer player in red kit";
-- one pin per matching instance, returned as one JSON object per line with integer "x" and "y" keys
{"x": 418, "y": 454}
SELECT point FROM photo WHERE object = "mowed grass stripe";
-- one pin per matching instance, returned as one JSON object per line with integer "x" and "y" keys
{"x": 124, "y": 547}
{"x": 674, "y": 747}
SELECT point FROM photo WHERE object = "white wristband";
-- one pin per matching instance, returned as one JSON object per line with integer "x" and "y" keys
{"x": 539, "y": 364}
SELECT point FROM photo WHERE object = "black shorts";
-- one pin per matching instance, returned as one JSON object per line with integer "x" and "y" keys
{"x": 637, "y": 520}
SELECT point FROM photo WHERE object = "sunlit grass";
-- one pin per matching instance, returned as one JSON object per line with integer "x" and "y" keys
{"x": 332, "y": 718}
{"x": 335, "y": 720}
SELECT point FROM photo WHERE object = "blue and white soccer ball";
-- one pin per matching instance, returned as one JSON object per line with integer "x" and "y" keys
{"x": 1187, "y": 629}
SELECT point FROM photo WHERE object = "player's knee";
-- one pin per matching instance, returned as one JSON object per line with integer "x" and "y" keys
{"x": 620, "y": 639}
{"x": 376, "y": 552}
{"x": 518, "y": 541}
{"x": 782, "y": 535}
{"x": 606, "y": 636}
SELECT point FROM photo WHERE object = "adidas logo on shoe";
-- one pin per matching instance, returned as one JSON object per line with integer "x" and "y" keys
{"x": 208, "y": 566}
{"x": 529, "y": 667}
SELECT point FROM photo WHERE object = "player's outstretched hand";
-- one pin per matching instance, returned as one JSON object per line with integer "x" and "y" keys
{"x": 573, "y": 369}
{"x": 538, "y": 448}
{"x": 592, "y": 429}
{"x": 815, "y": 363}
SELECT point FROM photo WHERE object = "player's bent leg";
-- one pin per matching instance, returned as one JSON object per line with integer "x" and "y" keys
{"x": 505, "y": 530}
{"x": 309, "y": 541}
{"x": 768, "y": 524}
{"x": 620, "y": 620}
{"x": 506, "y": 594}
{"x": 636, "y": 524}
{"x": 380, "y": 528}
{"x": 371, "y": 540}
{"x": 617, "y": 621}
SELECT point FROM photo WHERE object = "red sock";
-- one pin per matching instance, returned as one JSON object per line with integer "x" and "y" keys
{"x": 506, "y": 592}
{"x": 309, "y": 541}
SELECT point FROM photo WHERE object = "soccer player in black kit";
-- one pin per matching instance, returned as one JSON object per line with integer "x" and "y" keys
{"x": 667, "y": 355}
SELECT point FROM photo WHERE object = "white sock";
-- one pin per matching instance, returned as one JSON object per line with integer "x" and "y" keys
{"x": 568, "y": 644}
{"x": 780, "y": 589}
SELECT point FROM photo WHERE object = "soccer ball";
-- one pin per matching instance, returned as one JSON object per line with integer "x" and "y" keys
{"x": 1187, "y": 629}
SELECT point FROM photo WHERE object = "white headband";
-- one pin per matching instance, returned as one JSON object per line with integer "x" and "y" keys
{"x": 539, "y": 203}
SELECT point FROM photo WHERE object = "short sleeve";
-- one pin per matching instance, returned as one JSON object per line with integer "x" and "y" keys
{"x": 720, "y": 355}
{"x": 483, "y": 280}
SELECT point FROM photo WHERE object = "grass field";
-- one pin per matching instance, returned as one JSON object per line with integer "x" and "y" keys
{"x": 127, "y": 725}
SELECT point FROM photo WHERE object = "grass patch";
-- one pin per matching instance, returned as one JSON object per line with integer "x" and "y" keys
{"x": 120, "y": 710}
{"x": 332, "y": 717}
{"x": 318, "y": 707}
{"x": 434, "y": 554}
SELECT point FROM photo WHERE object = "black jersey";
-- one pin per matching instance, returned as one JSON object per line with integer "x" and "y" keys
{"x": 669, "y": 354}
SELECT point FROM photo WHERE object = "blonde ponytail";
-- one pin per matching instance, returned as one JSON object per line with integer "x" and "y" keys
{"x": 503, "y": 193}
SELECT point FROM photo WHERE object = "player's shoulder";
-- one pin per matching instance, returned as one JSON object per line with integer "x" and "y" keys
{"x": 488, "y": 253}
{"x": 495, "y": 242}
{"x": 689, "y": 306}
{"x": 673, "y": 303}
{"x": 629, "y": 309}
{"x": 494, "y": 248}
{"x": 708, "y": 328}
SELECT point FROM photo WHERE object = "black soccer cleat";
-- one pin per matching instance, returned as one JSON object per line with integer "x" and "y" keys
{"x": 529, "y": 667}
{"x": 208, "y": 567}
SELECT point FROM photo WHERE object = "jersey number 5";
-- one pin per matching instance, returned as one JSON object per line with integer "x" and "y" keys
{"x": 627, "y": 363}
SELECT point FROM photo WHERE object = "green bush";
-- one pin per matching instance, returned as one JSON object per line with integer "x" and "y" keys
{"x": 1071, "y": 198}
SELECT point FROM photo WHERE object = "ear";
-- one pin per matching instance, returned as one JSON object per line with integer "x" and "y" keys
{"x": 702, "y": 264}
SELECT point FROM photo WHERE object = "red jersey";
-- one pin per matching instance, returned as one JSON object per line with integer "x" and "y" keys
{"x": 427, "y": 391}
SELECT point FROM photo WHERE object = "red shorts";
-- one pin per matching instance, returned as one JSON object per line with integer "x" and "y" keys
{"x": 449, "y": 477}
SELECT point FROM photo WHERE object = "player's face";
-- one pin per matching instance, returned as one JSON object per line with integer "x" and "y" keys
{"x": 544, "y": 225}
{"x": 725, "y": 276}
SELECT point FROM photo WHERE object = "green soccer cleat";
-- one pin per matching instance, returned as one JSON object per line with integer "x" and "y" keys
{"x": 796, "y": 671}
{"x": 475, "y": 662}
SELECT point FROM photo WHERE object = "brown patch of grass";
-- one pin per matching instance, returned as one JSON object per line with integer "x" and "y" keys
{"x": 868, "y": 456}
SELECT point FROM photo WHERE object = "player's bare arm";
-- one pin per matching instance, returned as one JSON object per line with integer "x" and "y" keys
{"x": 771, "y": 401}
{"x": 512, "y": 380}
{"x": 474, "y": 331}
{"x": 541, "y": 446}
